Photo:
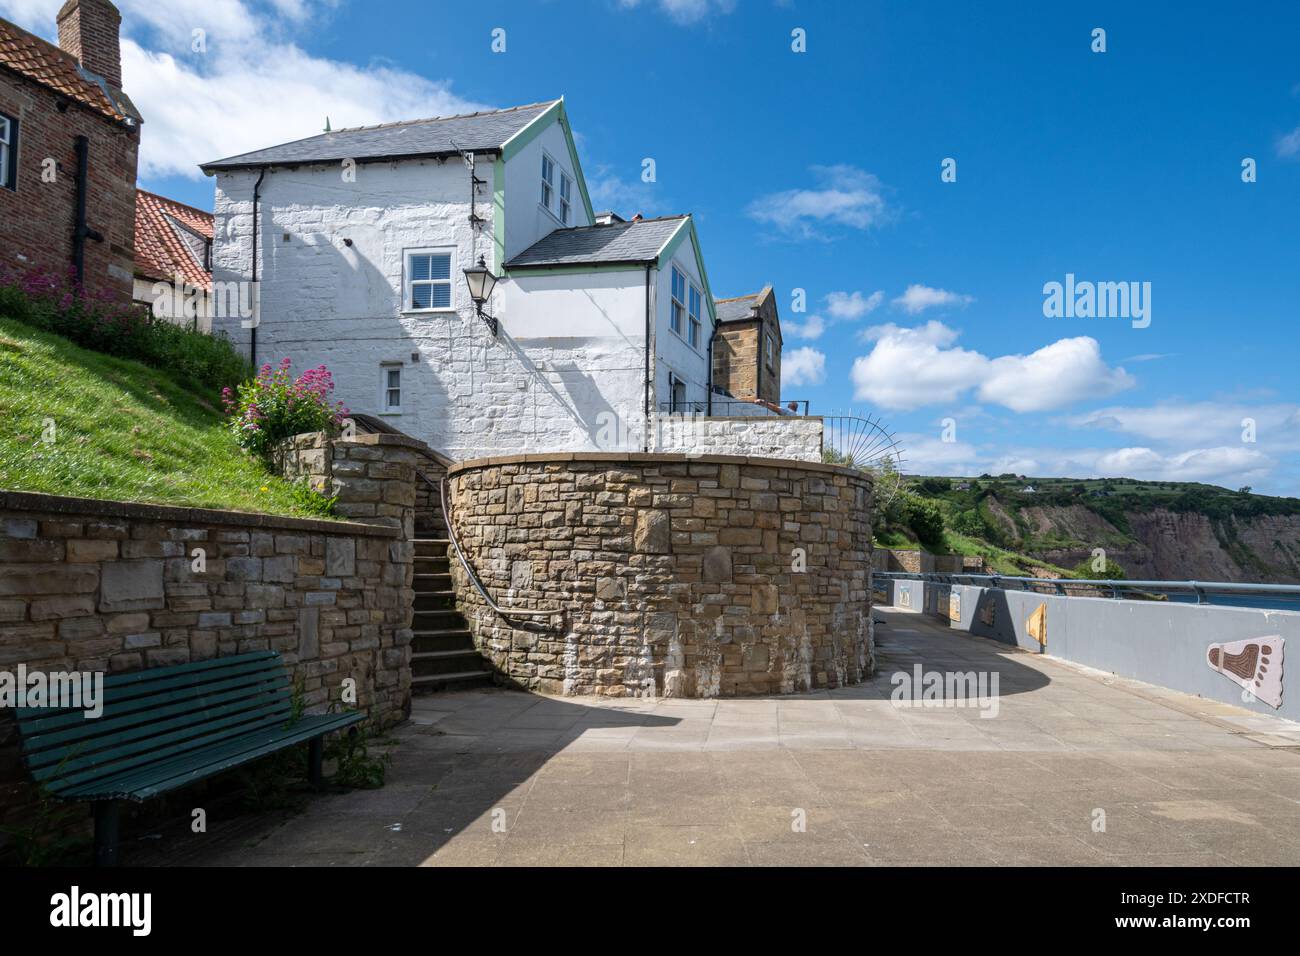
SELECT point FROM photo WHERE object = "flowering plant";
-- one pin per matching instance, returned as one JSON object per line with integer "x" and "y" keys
{"x": 274, "y": 406}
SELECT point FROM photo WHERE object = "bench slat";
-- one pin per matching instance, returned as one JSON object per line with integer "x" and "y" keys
{"x": 152, "y": 781}
{"x": 113, "y": 721}
{"x": 197, "y": 737}
{"x": 34, "y": 721}
{"x": 166, "y": 727}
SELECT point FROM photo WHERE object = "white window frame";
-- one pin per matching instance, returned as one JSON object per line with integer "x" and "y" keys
{"x": 408, "y": 284}
{"x": 384, "y": 388}
{"x": 548, "y": 184}
{"x": 693, "y": 318}
{"x": 770, "y": 350}
{"x": 677, "y": 319}
{"x": 8, "y": 159}
{"x": 566, "y": 197}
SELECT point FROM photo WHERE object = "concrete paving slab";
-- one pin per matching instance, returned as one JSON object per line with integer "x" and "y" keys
{"x": 502, "y": 778}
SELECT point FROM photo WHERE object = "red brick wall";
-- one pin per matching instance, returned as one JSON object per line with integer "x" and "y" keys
{"x": 37, "y": 220}
{"x": 89, "y": 31}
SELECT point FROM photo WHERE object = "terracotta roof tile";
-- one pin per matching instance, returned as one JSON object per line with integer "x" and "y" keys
{"x": 28, "y": 55}
{"x": 160, "y": 250}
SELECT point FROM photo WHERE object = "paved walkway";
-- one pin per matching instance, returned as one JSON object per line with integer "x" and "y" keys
{"x": 839, "y": 777}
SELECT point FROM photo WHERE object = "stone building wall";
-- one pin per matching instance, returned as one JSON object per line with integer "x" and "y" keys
{"x": 674, "y": 576}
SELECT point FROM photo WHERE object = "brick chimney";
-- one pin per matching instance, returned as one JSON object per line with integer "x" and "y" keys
{"x": 88, "y": 29}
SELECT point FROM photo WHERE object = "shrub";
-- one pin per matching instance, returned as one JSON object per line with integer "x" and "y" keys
{"x": 274, "y": 406}
{"x": 925, "y": 518}
{"x": 46, "y": 301}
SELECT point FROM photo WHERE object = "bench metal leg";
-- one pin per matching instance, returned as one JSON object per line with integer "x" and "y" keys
{"x": 315, "y": 757}
{"x": 107, "y": 813}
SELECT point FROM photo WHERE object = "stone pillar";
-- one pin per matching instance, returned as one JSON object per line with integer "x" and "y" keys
{"x": 373, "y": 479}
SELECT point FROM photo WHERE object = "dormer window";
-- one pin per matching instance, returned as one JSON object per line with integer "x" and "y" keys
{"x": 677, "y": 316}
{"x": 566, "y": 198}
{"x": 548, "y": 181}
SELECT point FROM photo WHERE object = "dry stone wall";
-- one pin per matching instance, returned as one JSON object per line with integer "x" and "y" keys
{"x": 674, "y": 576}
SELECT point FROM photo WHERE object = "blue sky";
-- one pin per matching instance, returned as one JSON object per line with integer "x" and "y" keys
{"x": 820, "y": 171}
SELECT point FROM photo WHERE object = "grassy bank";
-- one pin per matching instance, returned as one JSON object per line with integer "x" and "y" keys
{"x": 76, "y": 422}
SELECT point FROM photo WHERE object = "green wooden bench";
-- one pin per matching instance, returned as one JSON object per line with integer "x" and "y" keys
{"x": 165, "y": 728}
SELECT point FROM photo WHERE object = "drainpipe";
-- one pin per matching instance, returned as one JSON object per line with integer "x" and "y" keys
{"x": 81, "y": 232}
{"x": 645, "y": 436}
{"x": 712, "y": 338}
{"x": 257, "y": 195}
{"x": 758, "y": 379}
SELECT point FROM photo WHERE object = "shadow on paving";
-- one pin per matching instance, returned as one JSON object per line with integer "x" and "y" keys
{"x": 470, "y": 765}
{"x": 896, "y": 654}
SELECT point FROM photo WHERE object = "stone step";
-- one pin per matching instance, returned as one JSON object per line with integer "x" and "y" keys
{"x": 442, "y": 639}
{"x": 432, "y": 582}
{"x": 435, "y": 601}
{"x": 430, "y": 663}
{"x": 435, "y": 682}
{"x": 439, "y": 565}
{"x": 436, "y": 619}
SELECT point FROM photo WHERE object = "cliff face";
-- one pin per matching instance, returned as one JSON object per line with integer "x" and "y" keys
{"x": 1166, "y": 545}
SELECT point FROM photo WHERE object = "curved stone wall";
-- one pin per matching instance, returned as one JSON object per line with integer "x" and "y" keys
{"x": 677, "y": 576}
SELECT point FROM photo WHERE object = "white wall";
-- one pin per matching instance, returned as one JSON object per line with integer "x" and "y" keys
{"x": 175, "y": 308}
{"x": 527, "y": 220}
{"x": 799, "y": 439}
{"x": 673, "y": 353}
{"x": 570, "y": 348}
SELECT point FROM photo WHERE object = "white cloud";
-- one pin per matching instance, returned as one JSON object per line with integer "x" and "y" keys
{"x": 810, "y": 328}
{"x": 1219, "y": 465}
{"x": 252, "y": 88}
{"x": 846, "y": 196}
{"x": 853, "y": 305}
{"x": 624, "y": 196}
{"x": 1288, "y": 146}
{"x": 912, "y": 367}
{"x": 927, "y": 455}
{"x": 803, "y": 366}
{"x": 1065, "y": 372}
{"x": 918, "y": 298}
{"x": 1277, "y": 425}
{"x": 1149, "y": 357}
{"x": 686, "y": 11}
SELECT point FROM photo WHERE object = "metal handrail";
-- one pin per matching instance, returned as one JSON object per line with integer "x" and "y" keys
{"x": 473, "y": 578}
{"x": 1199, "y": 588}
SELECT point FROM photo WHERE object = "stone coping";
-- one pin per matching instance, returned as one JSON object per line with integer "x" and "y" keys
{"x": 398, "y": 440}
{"x": 180, "y": 515}
{"x": 635, "y": 458}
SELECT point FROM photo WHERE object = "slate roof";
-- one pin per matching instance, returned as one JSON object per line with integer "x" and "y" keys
{"x": 634, "y": 242}
{"x": 41, "y": 61}
{"x": 160, "y": 250}
{"x": 480, "y": 132}
{"x": 737, "y": 309}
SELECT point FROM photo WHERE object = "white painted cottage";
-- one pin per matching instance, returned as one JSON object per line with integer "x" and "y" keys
{"x": 357, "y": 239}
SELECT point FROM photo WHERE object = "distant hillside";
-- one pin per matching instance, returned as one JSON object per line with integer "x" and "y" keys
{"x": 1152, "y": 530}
